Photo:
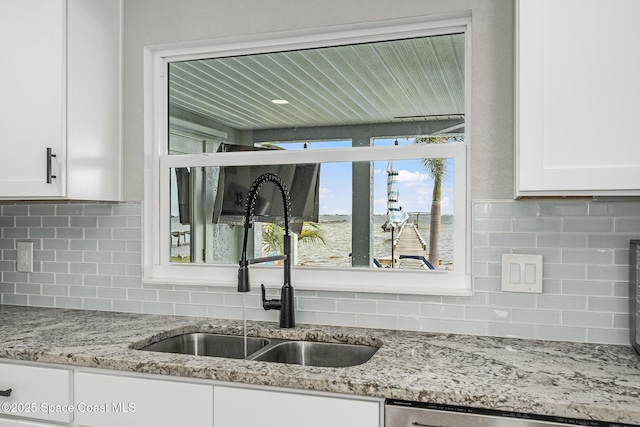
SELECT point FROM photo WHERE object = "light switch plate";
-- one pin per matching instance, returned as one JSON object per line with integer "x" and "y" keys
{"x": 24, "y": 261}
{"x": 522, "y": 273}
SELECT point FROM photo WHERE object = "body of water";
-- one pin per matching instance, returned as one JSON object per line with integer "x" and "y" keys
{"x": 336, "y": 232}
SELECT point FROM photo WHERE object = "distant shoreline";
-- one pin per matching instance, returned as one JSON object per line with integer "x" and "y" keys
{"x": 422, "y": 217}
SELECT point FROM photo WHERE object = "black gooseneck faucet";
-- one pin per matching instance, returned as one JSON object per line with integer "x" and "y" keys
{"x": 286, "y": 302}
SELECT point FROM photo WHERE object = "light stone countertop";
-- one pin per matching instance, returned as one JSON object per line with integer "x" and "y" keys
{"x": 583, "y": 381}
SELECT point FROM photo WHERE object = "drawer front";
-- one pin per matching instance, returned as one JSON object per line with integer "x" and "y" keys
{"x": 113, "y": 400}
{"x": 239, "y": 407}
{"x": 20, "y": 423}
{"x": 39, "y": 393}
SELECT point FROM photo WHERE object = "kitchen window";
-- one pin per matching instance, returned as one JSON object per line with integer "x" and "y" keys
{"x": 304, "y": 107}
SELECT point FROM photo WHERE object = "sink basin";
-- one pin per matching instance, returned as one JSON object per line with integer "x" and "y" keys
{"x": 308, "y": 353}
{"x": 305, "y": 353}
{"x": 202, "y": 344}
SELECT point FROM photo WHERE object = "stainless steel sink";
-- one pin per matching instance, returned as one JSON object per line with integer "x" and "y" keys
{"x": 201, "y": 344}
{"x": 307, "y": 353}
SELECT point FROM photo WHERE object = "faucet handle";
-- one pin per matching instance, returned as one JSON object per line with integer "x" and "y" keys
{"x": 269, "y": 304}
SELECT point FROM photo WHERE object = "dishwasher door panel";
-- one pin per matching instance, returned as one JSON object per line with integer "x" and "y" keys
{"x": 406, "y": 416}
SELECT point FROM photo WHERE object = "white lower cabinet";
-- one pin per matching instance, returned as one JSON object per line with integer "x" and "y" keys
{"x": 20, "y": 423}
{"x": 39, "y": 393}
{"x": 43, "y": 396}
{"x": 241, "y": 407}
{"x": 106, "y": 400}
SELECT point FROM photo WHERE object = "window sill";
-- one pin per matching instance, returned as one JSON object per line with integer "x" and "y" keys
{"x": 419, "y": 282}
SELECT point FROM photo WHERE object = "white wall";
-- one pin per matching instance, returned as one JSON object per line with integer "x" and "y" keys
{"x": 149, "y": 22}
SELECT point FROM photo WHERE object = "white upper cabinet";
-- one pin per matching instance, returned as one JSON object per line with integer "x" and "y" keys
{"x": 61, "y": 89}
{"x": 577, "y": 97}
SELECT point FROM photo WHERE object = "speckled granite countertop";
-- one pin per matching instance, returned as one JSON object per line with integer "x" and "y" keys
{"x": 584, "y": 381}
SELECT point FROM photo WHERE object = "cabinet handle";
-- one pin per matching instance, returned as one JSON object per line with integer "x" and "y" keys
{"x": 49, "y": 173}
{"x": 5, "y": 393}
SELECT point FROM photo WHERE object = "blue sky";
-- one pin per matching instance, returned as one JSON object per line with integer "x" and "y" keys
{"x": 414, "y": 184}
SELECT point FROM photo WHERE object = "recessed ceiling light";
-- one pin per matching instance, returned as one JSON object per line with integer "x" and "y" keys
{"x": 280, "y": 101}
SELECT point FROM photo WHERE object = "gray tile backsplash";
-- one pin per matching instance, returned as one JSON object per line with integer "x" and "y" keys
{"x": 87, "y": 256}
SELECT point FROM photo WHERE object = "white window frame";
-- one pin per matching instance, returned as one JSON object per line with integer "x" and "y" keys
{"x": 157, "y": 267}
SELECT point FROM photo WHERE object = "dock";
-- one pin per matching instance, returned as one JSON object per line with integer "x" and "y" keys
{"x": 407, "y": 241}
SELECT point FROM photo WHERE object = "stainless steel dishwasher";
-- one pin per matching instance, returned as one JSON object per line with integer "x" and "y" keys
{"x": 401, "y": 413}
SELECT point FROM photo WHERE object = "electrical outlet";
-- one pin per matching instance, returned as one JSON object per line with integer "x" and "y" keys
{"x": 522, "y": 273}
{"x": 24, "y": 262}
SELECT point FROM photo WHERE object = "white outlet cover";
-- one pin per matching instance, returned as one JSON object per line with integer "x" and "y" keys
{"x": 24, "y": 262}
{"x": 522, "y": 273}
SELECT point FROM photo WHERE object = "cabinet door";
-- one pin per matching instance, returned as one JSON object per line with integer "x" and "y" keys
{"x": 239, "y": 407}
{"x": 16, "y": 423}
{"x": 577, "y": 91}
{"x": 94, "y": 50}
{"x": 33, "y": 96}
{"x": 34, "y": 390}
{"x": 113, "y": 400}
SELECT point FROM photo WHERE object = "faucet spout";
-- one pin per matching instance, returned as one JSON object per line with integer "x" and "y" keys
{"x": 286, "y": 302}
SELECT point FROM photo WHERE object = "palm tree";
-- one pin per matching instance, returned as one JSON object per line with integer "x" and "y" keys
{"x": 272, "y": 236}
{"x": 437, "y": 170}
{"x": 311, "y": 234}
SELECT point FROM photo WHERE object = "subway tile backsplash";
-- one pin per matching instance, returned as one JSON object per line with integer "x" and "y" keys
{"x": 87, "y": 256}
